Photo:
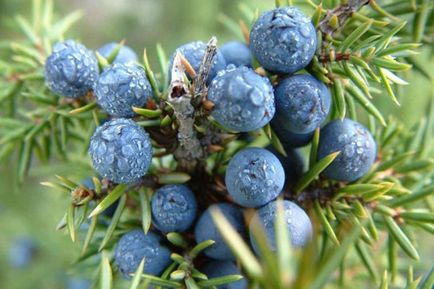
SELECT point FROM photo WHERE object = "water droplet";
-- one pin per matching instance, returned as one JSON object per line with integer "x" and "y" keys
{"x": 348, "y": 151}
{"x": 304, "y": 30}
{"x": 256, "y": 97}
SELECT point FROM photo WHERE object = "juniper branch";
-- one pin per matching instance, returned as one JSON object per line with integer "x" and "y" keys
{"x": 348, "y": 63}
{"x": 189, "y": 150}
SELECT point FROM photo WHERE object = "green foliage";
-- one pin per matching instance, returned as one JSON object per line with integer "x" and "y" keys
{"x": 366, "y": 50}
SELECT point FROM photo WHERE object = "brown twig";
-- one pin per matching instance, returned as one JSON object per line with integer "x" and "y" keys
{"x": 339, "y": 56}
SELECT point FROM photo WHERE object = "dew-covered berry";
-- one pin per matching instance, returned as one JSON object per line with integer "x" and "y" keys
{"x": 236, "y": 53}
{"x": 134, "y": 246}
{"x": 206, "y": 230}
{"x": 292, "y": 163}
{"x": 357, "y": 149}
{"x": 283, "y": 40}
{"x": 194, "y": 52}
{"x": 243, "y": 100}
{"x": 71, "y": 69}
{"x": 120, "y": 87}
{"x": 302, "y": 103}
{"x": 289, "y": 139}
{"x": 215, "y": 269}
{"x": 121, "y": 151}
{"x": 125, "y": 53}
{"x": 173, "y": 208}
{"x": 254, "y": 177}
{"x": 297, "y": 222}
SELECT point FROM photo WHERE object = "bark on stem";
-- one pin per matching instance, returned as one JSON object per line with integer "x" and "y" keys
{"x": 190, "y": 151}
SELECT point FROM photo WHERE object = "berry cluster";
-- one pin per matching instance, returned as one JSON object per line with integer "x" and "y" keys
{"x": 283, "y": 41}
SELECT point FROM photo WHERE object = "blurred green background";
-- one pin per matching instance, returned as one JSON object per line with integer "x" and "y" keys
{"x": 32, "y": 210}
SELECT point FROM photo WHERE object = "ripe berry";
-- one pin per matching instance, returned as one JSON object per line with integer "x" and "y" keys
{"x": 289, "y": 139}
{"x": 206, "y": 230}
{"x": 244, "y": 100}
{"x": 134, "y": 246}
{"x": 121, "y": 151}
{"x": 125, "y": 53}
{"x": 356, "y": 145}
{"x": 71, "y": 69}
{"x": 120, "y": 87}
{"x": 302, "y": 103}
{"x": 216, "y": 269}
{"x": 173, "y": 208}
{"x": 297, "y": 221}
{"x": 236, "y": 53}
{"x": 194, "y": 52}
{"x": 254, "y": 177}
{"x": 283, "y": 40}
